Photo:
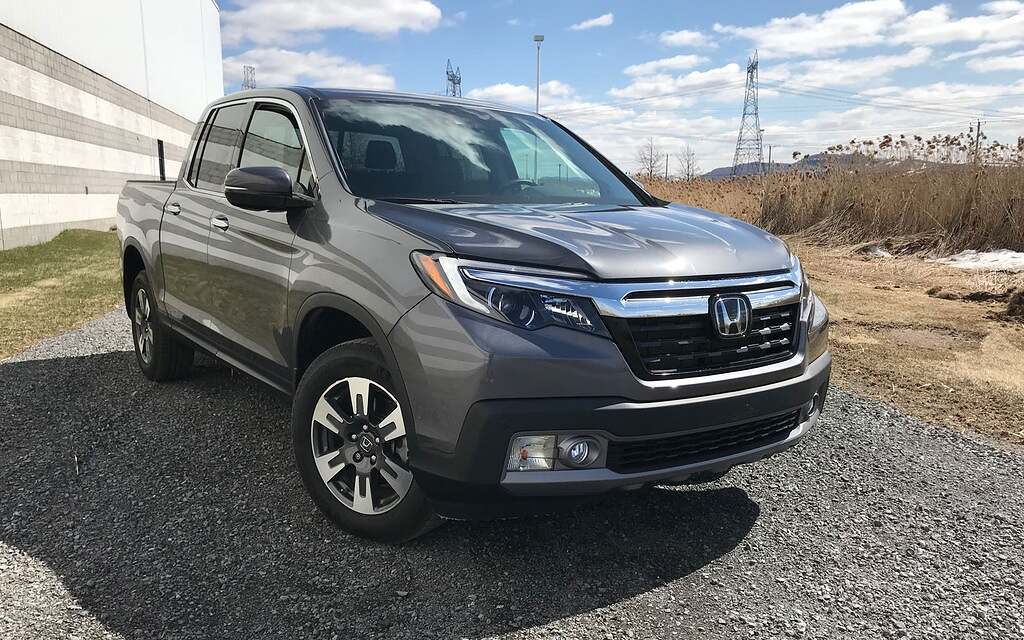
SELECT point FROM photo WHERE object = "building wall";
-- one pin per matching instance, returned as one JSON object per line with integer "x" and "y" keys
{"x": 84, "y": 104}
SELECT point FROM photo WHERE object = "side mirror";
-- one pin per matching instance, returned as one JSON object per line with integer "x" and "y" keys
{"x": 263, "y": 189}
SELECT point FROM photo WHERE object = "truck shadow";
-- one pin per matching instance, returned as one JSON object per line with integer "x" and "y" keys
{"x": 174, "y": 510}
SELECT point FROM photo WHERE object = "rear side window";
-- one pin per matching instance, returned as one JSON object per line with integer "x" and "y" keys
{"x": 273, "y": 140}
{"x": 220, "y": 146}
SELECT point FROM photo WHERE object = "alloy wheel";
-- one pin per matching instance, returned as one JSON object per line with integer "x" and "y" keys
{"x": 142, "y": 316}
{"x": 359, "y": 445}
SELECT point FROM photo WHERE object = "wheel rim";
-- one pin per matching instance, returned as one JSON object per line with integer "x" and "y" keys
{"x": 359, "y": 446}
{"x": 143, "y": 326}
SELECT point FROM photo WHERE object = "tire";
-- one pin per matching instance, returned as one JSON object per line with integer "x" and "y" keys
{"x": 160, "y": 354}
{"x": 352, "y": 449}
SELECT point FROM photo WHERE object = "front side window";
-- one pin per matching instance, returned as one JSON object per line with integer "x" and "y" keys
{"x": 274, "y": 140}
{"x": 412, "y": 150}
{"x": 220, "y": 147}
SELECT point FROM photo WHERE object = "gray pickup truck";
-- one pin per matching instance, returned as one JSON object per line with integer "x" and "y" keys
{"x": 473, "y": 311}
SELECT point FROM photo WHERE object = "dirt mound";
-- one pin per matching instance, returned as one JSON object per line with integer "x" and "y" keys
{"x": 1015, "y": 306}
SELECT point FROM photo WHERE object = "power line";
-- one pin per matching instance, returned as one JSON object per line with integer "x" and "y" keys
{"x": 898, "y": 101}
{"x": 873, "y": 102}
{"x": 597, "y": 106}
{"x": 817, "y": 93}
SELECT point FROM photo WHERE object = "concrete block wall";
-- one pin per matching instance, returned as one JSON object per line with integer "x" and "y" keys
{"x": 69, "y": 138}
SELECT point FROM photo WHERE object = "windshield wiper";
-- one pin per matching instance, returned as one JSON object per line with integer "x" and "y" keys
{"x": 422, "y": 200}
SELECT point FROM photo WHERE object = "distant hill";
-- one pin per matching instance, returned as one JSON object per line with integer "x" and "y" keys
{"x": 748, "y": 169}
{"x": 817, "y": 162}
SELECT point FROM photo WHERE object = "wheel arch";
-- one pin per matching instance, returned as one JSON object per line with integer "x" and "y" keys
{"x": 332, "y": 302}
{"x": 133, "y": 261}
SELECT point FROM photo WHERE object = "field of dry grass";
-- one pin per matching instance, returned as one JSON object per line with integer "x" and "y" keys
{"x": 943, "y": 208}
{"x": 948, "y": 208}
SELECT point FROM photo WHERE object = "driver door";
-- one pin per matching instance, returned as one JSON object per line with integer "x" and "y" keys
{"x": 250, "y": 252}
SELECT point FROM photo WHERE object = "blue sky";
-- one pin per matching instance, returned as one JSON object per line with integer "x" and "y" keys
{"x": 620, "y": 72}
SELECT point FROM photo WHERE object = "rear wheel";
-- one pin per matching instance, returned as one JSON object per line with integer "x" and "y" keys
{"x": 160, "y": 355}
{"x": 351, "y": 445}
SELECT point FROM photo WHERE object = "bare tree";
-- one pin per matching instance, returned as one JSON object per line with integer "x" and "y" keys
{"x": 648, "y": 159}
{"x": 689, "y": 168}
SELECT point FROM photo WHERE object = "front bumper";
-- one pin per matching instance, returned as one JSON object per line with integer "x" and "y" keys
{"x": 473, "y": 383}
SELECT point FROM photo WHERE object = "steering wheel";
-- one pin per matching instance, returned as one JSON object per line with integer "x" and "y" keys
{"x": 521, "y": 183}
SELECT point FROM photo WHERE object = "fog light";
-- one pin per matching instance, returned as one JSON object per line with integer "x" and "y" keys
{"x": 579, "y": 451}
{"x": 532, "y": 453}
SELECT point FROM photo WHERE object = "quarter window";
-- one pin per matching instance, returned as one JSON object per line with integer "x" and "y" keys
{"x": 220, "y": 146}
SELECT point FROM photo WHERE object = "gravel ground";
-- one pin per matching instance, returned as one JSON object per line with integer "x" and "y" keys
{"x": 130, "y": 509}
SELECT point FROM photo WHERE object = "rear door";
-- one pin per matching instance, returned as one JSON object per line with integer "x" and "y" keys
{"x": 250, "y": 252}
{"x": 185, "y": 228}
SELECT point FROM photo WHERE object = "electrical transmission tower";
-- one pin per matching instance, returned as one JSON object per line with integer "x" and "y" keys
{"x": 454, "y": 85}
{"x": 248, "y": 77}
{"x": 748, "y": 142}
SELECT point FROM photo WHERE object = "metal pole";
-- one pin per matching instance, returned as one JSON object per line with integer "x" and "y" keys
{"x": 538, "y": 39}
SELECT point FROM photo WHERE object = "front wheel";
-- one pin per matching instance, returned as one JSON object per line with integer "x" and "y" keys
{"x": 351, "y": 445}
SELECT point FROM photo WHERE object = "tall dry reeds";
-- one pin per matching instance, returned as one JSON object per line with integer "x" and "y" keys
{"x": 945, "y": 193}
{"x": 948, "y": 207}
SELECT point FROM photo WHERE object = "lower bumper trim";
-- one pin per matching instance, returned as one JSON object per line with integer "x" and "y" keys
{"x": 592, "y": 481}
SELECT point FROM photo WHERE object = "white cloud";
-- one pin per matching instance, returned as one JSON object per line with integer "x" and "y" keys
{"x": 284, "y": 21}
{"x": 954, "y": 94}
{"x": 848, "y": 71}
{"x": 454, "y": 19}
{"x": 988, "y": 47}
{"x": 1001, "y": 21}
{"x": 675, "y": 63}
{"x": 520, "y": 94}
{"x": 720, "y": 83}
{"x": 856, "y": 24}
{"x": 605, "y": 20}
{"x": 867, "y": 23}
{"x": 276, "y": 67}
{"x": 685, "y": 38}
{"x": 513, "y": 22}
{"x": 998, "y": 63}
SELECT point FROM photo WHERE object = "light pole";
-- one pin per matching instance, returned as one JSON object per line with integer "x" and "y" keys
{"x": 538, "y": 39}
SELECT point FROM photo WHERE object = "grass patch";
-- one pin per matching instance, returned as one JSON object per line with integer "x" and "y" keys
{"x": 49, "y": 288}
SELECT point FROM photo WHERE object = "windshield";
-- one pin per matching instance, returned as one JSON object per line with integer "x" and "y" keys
{"x": 427, "y": 152}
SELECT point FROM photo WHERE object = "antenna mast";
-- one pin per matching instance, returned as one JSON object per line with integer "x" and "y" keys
{"x": 453, "y": 87}
{"x": 248, "y": 77}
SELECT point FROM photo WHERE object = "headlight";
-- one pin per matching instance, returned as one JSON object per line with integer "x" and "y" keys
{"x": 521, "y": 307}
{"x": 817, "y": 329}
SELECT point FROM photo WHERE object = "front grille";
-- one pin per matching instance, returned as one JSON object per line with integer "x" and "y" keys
{"x": 699, "y": 446}
{"x": 681, "y": 346}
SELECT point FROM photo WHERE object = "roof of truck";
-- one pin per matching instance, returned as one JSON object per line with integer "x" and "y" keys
{"x": 327, "y": 93}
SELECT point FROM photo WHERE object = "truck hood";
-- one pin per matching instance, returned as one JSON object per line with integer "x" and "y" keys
{"x": 607, "y": 242}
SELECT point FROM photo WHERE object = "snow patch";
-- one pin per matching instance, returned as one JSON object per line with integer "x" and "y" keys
{"x": 998, "y": 260}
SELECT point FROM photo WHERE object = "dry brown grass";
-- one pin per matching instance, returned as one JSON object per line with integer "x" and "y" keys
{"x": 737, "y": 197}
{"x": 950, "y": 208}
{"x": 944, "y": 208}
{"x": 950, "y": 362}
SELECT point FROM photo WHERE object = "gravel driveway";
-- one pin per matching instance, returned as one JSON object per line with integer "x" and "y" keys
{"x": 130, "y": 509}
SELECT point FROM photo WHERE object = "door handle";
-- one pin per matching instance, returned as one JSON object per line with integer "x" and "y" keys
{"x": 173, "y": 208}
{"x": 220, "y": 222}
